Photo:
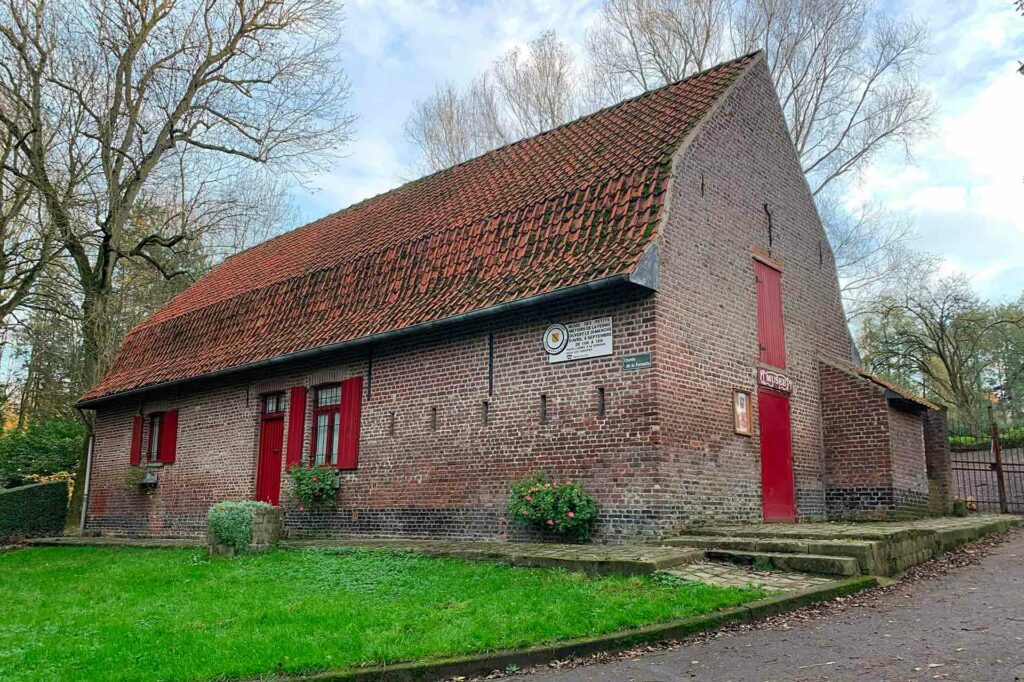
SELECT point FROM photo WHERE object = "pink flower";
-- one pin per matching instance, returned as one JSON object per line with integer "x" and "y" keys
{"x": 550, "y": 522}
{"x": 316, "y": 478}
{"x": 301, "y": 508}
{"x": 571, "y": 515}
{"x": 528, "y": 498}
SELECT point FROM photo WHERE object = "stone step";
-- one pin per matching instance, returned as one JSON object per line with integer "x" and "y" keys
{"x": 592, "y": 559}
{"x": 803, "y": 563}
{"x": 870, "y": 554}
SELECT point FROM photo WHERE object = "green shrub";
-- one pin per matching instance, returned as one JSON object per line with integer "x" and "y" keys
{"x": 231, "y": 522}
{"x": 33, "y": 510}
{"x": 41, "y": 449}
{"x": 312, "y": 487}
{"x": 560, "y": 507}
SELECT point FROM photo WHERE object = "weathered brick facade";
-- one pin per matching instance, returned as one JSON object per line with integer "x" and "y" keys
{"x": 874, "y": 453}
{"x": 740, "y": 168}
{"x": 662, "y": 453}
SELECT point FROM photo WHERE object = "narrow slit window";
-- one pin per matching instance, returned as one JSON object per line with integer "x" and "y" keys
{"x": 600, "y": 401}
{"x": 485, "y": 415}
{"x": 433, "y": 419}
{"x": 543, "y": 408}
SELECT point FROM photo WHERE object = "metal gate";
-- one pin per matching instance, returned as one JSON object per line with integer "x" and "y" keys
{"x": 988, "y": 466}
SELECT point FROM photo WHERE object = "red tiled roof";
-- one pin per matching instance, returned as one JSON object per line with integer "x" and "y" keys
{"x": 572, "y": 205}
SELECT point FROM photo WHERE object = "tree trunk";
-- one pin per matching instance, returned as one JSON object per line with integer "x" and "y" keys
{"x": 95, "y": 362}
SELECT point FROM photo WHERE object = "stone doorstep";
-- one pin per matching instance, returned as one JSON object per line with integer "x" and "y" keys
{"x": 866, "y": 530}
{"x": 869, "y": 554}
{"x": 879, "y": 548}
{"x": 802, "y": 563}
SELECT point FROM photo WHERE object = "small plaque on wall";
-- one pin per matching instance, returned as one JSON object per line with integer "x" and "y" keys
{"x": 636, "y": 361}
{"x": 775, "y": 381}
{"x": 742, "y": 414}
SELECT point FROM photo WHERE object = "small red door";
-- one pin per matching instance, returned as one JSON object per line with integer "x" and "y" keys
{"x": 778, "y": 498}
{"x": 268, "y": 466}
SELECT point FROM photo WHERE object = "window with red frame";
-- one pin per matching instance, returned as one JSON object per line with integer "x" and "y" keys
{"x": 326, "y": 425}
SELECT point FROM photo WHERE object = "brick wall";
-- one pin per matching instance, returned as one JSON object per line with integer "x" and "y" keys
{"x": 448, "y": 480}
{"x": 874, "y": 453}
{"x": 909, "y": 472}
{"x": 937, "y": 458}
{"x": 664, "y": 452}
{"x": 741, "y": 161}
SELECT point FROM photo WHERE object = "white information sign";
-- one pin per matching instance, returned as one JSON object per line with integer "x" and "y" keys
{"x": 587, "y": 339}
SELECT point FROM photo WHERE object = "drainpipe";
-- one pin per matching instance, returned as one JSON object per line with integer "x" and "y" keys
{"x": 85, "y": 490}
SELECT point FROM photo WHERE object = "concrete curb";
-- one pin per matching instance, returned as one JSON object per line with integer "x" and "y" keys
{"x": 677, "y": 629}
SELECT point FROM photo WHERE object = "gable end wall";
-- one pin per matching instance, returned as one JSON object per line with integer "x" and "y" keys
{"x": 740, "y": 159}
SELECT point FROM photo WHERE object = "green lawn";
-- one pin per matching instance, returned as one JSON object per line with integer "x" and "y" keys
{"x": 110, "y": 613}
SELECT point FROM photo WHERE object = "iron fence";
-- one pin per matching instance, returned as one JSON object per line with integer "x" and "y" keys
{"x": 988, "y": 465}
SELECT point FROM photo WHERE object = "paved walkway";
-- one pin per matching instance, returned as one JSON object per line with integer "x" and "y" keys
{"x": 965, "y": 625}
{"x": 732, "y": 575}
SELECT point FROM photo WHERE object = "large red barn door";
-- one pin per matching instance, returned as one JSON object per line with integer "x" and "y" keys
{"x": 778, "y": 496}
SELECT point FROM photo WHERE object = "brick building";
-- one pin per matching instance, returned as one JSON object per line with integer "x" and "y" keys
{"x": 642, "y": 299}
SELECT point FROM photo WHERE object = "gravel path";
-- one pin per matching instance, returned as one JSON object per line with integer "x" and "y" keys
{"x": 947, "y": 621}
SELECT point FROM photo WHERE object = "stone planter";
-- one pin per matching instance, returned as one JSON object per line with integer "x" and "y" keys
{"x": 266, "y": 532}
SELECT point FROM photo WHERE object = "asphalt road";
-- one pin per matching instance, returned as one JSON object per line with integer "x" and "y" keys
{"x": 965, "y": 625}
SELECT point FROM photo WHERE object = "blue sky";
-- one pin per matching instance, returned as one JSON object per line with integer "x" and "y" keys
{"x": 963, "y": 186}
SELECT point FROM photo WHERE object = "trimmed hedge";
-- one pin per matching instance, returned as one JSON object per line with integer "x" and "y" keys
{"x": 231, "y": 522}
{"x": 33, "y": 510}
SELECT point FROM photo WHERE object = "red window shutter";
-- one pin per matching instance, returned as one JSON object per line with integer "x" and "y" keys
{"x": 770, "y": 333}
{"x": 351, "y": 415}
{"x": 296, "y": 425}
{"x": 135, "y": 454}
{"x": 169, "y": 436}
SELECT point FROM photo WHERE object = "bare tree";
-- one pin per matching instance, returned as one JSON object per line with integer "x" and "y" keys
{"x": 846, "y": 79}
{"x": 644, "y": 44}
{"x": 523, "y": 93}
{"x": 871, "y": 250}
{"x": 27, "y": 242}
{"x": 109, "y": 101}
{"x": 442, "y": 128}
{"x": 844, "y": 73}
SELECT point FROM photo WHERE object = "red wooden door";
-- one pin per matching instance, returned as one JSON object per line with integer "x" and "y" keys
{"x": 777, "y": 495}
{"x": 771, "y": 337}
{"x": 268, "y": 466}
